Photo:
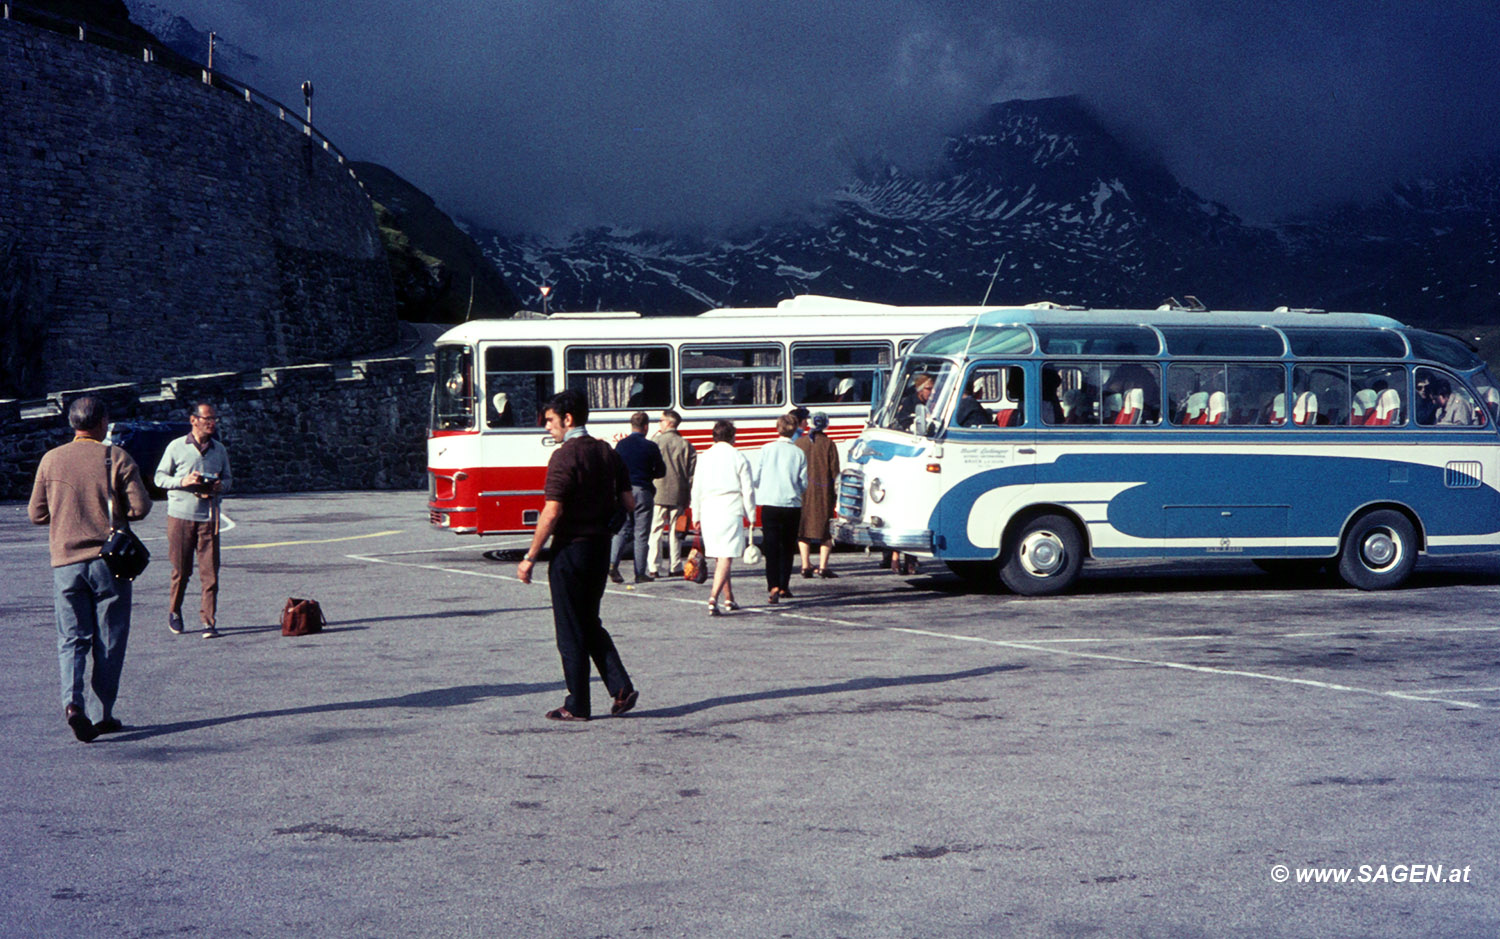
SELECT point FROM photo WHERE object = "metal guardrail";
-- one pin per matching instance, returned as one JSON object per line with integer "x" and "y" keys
{"x": 164, "y": 57}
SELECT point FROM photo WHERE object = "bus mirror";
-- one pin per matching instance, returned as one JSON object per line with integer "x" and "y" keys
{"x": 919, "y": 423}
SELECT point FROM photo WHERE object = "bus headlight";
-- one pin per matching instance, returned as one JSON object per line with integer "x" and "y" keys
{"x": 877, "y": 491}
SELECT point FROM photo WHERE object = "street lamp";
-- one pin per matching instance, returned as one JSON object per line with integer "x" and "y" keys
{"x": 307, "y": 98}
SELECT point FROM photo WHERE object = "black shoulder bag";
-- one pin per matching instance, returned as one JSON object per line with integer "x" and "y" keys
{"x": 122, "y": 550}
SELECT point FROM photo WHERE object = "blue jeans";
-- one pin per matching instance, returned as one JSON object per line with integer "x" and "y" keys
{"x": 637, "y": 528}
{"x": 93, "y": 618}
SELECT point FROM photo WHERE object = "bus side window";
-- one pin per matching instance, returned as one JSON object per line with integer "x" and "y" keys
{"x": 1322, "y": 395}
{"x": 1378, "y": 399}
{"x": 1132, "y": 393}
{"x": 622, "y": 376}
{"x": 1070, "y": 394}
{"x": 713, "y": 376}
{"x": 993, "y": 397}
{"x": 1443, "y": 401}
{"x": 518, "y": 383}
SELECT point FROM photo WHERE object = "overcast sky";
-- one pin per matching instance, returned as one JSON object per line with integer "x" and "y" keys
{"x": 554, "y": 114}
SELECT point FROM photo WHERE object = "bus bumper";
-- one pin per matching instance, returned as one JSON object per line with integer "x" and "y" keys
{"x": 459, "y": 521}
{"x": 896, "y": 539}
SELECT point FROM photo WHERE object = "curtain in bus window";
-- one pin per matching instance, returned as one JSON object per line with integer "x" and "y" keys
{"x": 732, "y": 375}
{"x": 621, "y": 378}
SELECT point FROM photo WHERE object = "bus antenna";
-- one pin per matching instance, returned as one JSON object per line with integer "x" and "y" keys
{"x": 975, "y": 325}
{"x": 992, "y": 279}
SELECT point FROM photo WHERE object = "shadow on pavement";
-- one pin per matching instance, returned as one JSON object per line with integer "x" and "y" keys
{"x": 870, "y": 683}
{"x": 434, "y": 698}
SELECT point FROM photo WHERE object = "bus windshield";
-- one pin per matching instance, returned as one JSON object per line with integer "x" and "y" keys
{"x": 453, "y": 388}
{"x": 917, "y": 392}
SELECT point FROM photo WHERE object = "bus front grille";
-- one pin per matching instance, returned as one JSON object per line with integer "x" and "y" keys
{"x": 851, "y": 494}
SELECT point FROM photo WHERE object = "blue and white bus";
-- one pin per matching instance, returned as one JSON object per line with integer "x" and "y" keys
{"x": 1033, "y": 438}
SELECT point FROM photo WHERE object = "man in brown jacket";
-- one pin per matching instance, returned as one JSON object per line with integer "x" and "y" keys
{"x": 78, "y": 485}
{"x": 673, "y": 492}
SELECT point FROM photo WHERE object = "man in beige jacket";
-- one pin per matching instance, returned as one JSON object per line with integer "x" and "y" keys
{"x": 673, "y": 492}
{"x": 78, "y": 487}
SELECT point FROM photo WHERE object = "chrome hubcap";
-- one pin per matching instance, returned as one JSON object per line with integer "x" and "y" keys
{"x": 1380, "y": 548}
{"x": 1042, "y": 554}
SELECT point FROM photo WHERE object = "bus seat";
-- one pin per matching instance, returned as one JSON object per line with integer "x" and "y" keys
{"x": 1218, "y": 408}
{"x": 1305, "y": 411}
{"x": 1362, "y": 410}
{"x": 1132, "y": 406}
{"x": 1006, "y": 417}
{"x": 1277, "y": 414}
{"x": 1387, "y": 409}
{"x": 1196, "y": 409}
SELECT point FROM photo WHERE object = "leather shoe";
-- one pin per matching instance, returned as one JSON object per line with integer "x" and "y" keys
{"x": 109, "y": 725}
{"x": 563, "y": 714}
{"x": 614, "y": 576}
{"x": 83, "y": 728}
{"x": 624, "y": 702}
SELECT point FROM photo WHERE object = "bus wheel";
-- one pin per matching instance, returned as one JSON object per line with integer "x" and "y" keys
{"x": 1042, "y": 557}
{"x": 1379, "y": 551}
{"x": 978, "y": 573}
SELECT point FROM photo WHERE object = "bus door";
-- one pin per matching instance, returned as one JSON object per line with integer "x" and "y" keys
{"x": 990, "y": 452}
{"x": 518, "y": 381}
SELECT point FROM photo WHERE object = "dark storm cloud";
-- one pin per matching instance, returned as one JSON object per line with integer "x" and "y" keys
{"x": 552, "y": 114}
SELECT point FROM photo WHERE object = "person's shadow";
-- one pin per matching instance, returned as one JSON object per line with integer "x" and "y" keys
{"x": 868, "y": 683}
{"x": 433, "y": 698}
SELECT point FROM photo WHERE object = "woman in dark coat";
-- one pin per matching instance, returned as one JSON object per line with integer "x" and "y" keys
{"x": 820, "y": 500}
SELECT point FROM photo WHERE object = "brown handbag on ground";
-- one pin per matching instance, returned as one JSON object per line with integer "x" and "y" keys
{"x": 301, "y": 617}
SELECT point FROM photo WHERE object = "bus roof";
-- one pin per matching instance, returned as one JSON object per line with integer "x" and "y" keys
{"x": 812, "y": 317}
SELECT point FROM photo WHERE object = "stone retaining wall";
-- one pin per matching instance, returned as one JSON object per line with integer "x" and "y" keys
{"x": 358, "y": 425}
{"x": 168, "y": 225}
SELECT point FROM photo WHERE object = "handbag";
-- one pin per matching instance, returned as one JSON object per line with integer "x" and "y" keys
{"x": 122, "y": 550}
{"x": 301, "y": 617}
{"x": 752, "y": 554}
{"x": 695, "y": 567}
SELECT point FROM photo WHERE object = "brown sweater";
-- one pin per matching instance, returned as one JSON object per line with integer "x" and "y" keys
{"x": 587, "y": 477}
{"x": 72, "y": 494}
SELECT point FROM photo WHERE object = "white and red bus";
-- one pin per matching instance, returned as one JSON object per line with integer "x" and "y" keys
{"x": 487, "y": 452}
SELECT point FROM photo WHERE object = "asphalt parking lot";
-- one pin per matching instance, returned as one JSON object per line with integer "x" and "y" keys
{"x": 882, "y": 756}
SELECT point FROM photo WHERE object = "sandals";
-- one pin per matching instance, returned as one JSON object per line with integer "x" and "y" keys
{"x": 807, "y": 573}
{"x": 731, "y": 606}
{"x": 824, "y": 573}
{"x": 775, "y": 596}
{"x": 713, "y": 608}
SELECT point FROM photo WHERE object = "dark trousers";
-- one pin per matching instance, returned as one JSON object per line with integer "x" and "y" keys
{"x": 576, "y": 579}
{"x": 637, "y": 530}
{"x": 186, "y": 541}
{"x": 778, "y": 526}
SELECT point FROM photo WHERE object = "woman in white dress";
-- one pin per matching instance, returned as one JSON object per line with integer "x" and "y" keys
{"x": 723, "y": 500}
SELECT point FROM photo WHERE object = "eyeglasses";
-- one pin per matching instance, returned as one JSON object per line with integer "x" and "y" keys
{"x": 206, "y": 420}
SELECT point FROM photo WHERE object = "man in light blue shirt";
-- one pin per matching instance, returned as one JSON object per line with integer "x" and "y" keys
{"x": 195, "y": 473}
{"x": 780, "y": 480}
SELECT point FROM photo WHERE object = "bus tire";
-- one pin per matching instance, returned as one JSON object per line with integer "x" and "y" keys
{"x": 1379, "y": 551}
{"x": 1042, "y": 557}
{"x": 978, "y": 573}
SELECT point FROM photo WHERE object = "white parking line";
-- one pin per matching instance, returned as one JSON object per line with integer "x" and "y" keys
{"x": 1043, "y": 646}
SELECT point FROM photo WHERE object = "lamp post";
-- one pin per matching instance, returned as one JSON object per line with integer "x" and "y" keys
{"x": 307, "y": 90}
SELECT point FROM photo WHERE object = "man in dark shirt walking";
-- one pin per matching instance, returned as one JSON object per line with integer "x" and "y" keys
{"x": 586, "y": 484}
{"x": 643, "y": 461}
